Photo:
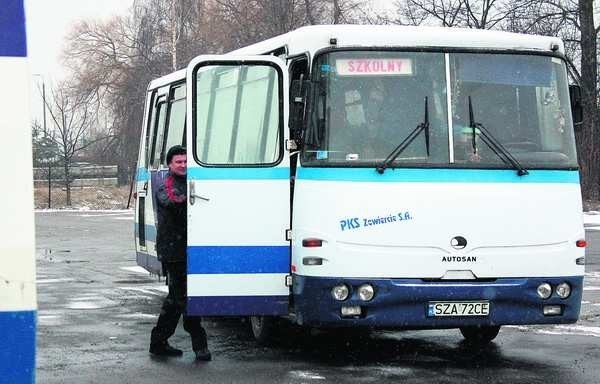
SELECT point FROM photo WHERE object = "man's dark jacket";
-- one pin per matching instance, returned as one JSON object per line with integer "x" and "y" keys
{"x": 171, "y": 237}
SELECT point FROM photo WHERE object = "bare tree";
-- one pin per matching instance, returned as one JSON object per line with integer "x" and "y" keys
{"x": 72, "y": 116}
{"x": 478, "y": 14}
{"x": 572, "y": 20}
{"x": 113, "y": 61}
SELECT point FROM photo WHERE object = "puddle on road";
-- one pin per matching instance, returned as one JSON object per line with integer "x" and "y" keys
{"x": 56, "y": 256}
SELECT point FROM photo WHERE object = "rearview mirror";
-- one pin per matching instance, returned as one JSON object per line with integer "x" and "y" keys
{"x": 298, "y": 94}
{"x": 576, "y": 105}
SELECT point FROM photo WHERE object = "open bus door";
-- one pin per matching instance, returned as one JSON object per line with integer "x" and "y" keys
{"x": 238, "y": 186}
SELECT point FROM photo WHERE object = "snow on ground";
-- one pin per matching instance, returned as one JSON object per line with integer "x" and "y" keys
{"x": 591, "y": 220}
{"x": 86, "y": 210}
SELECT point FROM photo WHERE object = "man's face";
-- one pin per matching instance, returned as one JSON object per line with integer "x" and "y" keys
{"x": 178, "y": 165}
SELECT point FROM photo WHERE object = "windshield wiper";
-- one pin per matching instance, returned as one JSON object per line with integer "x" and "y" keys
{"x": 422, "y": 127}
{"x": 493, "y": 143}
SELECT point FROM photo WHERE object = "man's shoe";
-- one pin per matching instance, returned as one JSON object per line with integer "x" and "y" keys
{"x": 203, "y": 355}
{"x": 164, "y": 349}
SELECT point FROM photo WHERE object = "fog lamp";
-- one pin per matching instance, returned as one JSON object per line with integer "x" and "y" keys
{"x": 340, "y": 292}
{"x": 563, "y": 290}
{"x": 366, "y": 292}
{"x": 544, "y": 290}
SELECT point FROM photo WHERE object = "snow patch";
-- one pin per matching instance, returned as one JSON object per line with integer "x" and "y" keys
{"x": 49, "y": 320}
{"x": 574, "y": 330}
{"x": 578, "y": 330}
{"x": 139, "y": 270}
{"x": 591, "y": 218}
{"x": 82, "y": 305}
{"x": 306, "y": 375}
{"x": 118, "y": 215}
{"x": 93, "y": 302}
{"x": 138, "y": 315}
{"x": 85, "y": 209}
{"x": 591, "y": 288}
{"x": 51, "y": 281}
{"x": 395, "y": 371}
{"x": 150, "y": 289}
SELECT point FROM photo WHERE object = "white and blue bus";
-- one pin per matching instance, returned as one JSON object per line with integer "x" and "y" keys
{"x": 377, "y": 177}
{"x": 17, "y": 250}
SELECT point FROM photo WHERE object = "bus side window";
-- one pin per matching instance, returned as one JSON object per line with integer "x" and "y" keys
{"x": 151, "y": 117}
{"x": 175, "y": 129}
{"x": 159, "y": 132}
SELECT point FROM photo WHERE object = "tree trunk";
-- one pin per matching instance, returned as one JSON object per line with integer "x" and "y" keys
{"x": 337, "y": 12}
{"x": 67, "y": 167}
{"x": 587, "y": 137}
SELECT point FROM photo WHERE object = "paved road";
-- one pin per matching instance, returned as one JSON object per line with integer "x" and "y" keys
{"x": 96, "y": 311}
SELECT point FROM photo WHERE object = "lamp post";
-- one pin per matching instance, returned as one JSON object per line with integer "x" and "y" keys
{"x": 43, "y": 100}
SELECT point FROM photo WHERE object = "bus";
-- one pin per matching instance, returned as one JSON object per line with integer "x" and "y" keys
{"x": 375, "y": 177}
{"x": 18, "y": 308}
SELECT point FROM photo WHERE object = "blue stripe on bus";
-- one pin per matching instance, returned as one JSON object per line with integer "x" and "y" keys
{"x": 13, "y": 39}
{"x": 237, "y": 305}
{"x": 437, "y": 175}
{"x": 238, "y": 173}
{"x": 17, "y": 347}
{"x": 238, "y": 259}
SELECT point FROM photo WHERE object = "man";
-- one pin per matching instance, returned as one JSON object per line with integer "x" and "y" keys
{"x": 171, "y": 247}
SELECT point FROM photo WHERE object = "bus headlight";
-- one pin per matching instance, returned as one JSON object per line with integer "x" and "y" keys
{"x": 563, "y": 290}
{"x": 340, "y": 292}
{"x": 544, "y": 290}
{"x": 366, "y": 292}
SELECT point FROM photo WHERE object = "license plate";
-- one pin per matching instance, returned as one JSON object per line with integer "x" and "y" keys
{"x": 453, "y": 308}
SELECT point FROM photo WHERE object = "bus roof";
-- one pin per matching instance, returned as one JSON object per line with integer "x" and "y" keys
{"x": 167, "y": 79}
{"x": 312, "y": 38}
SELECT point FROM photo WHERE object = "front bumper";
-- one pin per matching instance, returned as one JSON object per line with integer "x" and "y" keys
{"x": 402, "y": 303}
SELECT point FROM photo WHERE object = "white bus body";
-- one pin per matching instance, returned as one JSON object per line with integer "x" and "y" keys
{"x": 18, "y": 309}
{"x": 452, "y": 231}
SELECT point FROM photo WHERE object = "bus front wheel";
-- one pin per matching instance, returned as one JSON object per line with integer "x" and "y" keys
{"x": 263, "y": 329}
{"x": 479, "y": 335}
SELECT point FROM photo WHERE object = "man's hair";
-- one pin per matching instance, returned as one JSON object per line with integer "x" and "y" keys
{"x": 175, "y": 150}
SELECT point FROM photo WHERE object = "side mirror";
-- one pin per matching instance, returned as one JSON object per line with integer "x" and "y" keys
{"x": 576, "y": 105}
{"x": 298, "y": 94}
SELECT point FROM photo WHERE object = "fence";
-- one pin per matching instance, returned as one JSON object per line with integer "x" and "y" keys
{"x": 91, "y": 187}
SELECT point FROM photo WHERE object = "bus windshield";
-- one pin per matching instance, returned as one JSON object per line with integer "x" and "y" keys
{"x": 365, "y": 103}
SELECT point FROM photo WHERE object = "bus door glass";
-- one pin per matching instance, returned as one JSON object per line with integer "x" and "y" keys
{"x": 148, "y": 175}
{"x": 238, "y": 186}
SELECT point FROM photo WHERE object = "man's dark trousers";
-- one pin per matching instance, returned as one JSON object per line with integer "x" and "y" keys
{"x": 174, "y": 306}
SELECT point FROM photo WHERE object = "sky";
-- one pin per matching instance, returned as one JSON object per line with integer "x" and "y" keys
{"x": 48, "y": 23}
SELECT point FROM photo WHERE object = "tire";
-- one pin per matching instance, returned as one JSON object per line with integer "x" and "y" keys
{"x": 263, "y": 329}
{"x": 479, "y": 335}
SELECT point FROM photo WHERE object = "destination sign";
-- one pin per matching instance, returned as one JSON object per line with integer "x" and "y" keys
{"x": 372, "y": 67}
